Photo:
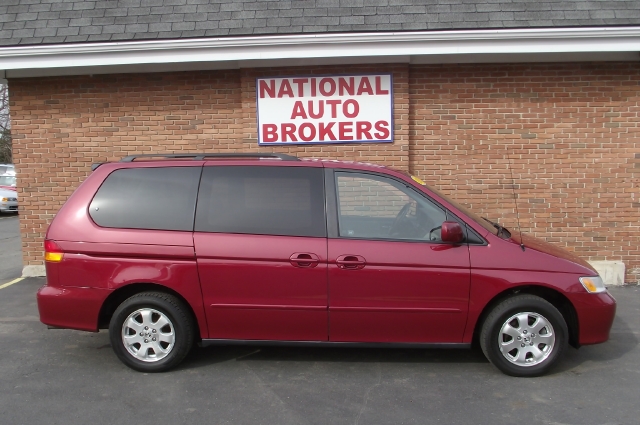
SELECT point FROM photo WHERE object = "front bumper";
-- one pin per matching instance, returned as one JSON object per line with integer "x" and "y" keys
{"x": 8, "y": 206}
{"x": 596, "y": 313}
{"x": 71, "y": 307}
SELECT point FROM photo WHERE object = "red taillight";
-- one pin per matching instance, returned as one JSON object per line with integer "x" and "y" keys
{"x": 52, "y": 252}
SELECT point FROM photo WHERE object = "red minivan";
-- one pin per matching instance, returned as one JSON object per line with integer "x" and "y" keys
{"x": 169, "y": 250}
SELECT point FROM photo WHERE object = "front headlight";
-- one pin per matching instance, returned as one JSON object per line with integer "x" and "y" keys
{"x": 593, "y": 284}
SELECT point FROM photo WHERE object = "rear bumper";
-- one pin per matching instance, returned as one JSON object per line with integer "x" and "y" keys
{"x": 71, "y": 307}
{"x": 596, "y": 313}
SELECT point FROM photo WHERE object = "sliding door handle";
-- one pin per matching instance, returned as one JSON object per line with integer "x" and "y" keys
{"x": 304, "y": 260}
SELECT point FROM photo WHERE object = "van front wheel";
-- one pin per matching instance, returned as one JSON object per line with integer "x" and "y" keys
{"x": 151, "y": 332}
{"x": 524, "y": 335}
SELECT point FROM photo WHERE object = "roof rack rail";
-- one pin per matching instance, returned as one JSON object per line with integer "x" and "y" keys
{"x": 202, "y": 156}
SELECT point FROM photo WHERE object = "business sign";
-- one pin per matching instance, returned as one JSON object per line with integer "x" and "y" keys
{"x": 325, "y": 109}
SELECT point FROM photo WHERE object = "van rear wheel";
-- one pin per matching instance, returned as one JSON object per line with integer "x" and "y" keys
{"x": 524, "y": 335}
{"x": 151, "y": 332}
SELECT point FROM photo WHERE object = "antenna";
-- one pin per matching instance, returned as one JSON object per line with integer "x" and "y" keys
{"x": 515, "y": 199}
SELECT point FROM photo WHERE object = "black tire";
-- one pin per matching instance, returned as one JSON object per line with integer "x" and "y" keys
{"x": 162, "y": 355}
{"x": 549, "y": 345}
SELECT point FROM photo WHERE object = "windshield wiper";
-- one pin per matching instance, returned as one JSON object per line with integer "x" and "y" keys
{"x": 501, "y": 229}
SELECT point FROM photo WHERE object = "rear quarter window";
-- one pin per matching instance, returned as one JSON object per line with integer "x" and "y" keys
{"x": 162, "y": 198}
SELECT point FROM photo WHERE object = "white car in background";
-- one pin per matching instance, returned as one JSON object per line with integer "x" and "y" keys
{"x": 7, "y": 169}
{"x": 8, "y": 193}
{"x": 8, "y": 201}
{"x": 8, "y": 181}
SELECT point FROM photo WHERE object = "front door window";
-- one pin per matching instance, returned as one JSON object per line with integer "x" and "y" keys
{"x": 373, "y": 207}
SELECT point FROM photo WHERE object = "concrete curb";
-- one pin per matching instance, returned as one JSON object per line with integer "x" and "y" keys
{"x": 33, "y": 271}
{"x": 611, "y": 272}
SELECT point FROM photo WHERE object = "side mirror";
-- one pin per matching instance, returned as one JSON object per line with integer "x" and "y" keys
{"x": 451, "y": 232}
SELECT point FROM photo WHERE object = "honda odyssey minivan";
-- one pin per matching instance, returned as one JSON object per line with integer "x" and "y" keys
{"x": 171, "y": 250}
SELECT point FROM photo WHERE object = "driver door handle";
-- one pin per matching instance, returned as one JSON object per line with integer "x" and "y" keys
{"x": 351, "y": 262}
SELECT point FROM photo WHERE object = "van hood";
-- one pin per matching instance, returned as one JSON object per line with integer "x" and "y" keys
{"x": 531, "y": 242}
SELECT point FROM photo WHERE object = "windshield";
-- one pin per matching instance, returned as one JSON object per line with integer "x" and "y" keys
{"x": 475, "y": 217}
{"x": 492, "y": 227}
{"x": 8, "y": 181}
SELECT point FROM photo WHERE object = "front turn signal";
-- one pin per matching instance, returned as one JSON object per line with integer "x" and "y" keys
{"x": 593, "y": 284}
{"x": 52, "y": 251}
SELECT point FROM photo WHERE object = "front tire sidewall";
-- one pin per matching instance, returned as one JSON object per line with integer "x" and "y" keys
{"x": 525, "y": 303}
{"x": 171, "y": 308}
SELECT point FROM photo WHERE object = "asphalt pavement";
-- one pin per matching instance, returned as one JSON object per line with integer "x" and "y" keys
{"x": 70, "y": 377}
{"x": 10, "y": 248}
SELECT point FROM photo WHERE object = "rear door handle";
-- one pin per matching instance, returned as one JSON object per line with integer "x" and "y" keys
{"x": 304, "y": 260}
{"x": 351, "y": 262}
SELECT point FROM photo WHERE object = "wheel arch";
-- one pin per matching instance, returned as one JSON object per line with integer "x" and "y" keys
{"x": 556, "y": 298}
{"x": 116, "y": 298}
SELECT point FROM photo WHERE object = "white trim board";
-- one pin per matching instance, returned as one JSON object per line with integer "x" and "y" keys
{"x": 468, "y": 46}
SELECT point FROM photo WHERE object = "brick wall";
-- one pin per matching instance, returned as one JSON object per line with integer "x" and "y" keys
{"x": 570, "y": 130}
{"x": 63, "y": 125}
{"x": 571, "y": 133}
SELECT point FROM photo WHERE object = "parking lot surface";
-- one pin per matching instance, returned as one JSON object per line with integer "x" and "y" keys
{"x": 10, "y": 248}
{"x": 69, "y": 377}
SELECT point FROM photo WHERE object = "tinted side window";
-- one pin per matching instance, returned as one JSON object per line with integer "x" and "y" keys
{"x": 375, "y": 207}
{"x": 286, "y": 201}
{"x": 147, "y": 198}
